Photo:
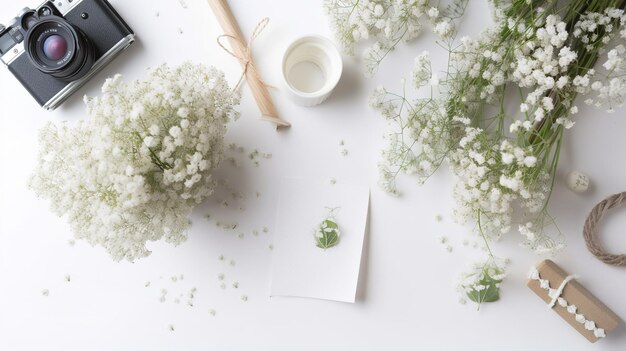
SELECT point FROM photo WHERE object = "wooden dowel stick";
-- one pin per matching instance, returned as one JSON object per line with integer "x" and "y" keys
{"x": 238, "y": 44}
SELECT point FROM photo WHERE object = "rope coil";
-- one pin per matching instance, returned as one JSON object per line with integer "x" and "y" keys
{"x": 590, "y": 231}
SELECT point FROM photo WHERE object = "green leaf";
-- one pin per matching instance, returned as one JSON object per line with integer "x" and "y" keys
{"x": 327, "y": 234}
{"x": 491, "y": 291}
{"x": 331, "y": 224}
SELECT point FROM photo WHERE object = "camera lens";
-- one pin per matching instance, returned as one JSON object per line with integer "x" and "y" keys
{"x": 55, "y": 47}
{"x": 59, "y": 49}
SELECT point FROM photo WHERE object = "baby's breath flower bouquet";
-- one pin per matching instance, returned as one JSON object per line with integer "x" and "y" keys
{"x": 389, "y": 23}
{"x": 547, "y": 54}
{"x": 135, "y": 170}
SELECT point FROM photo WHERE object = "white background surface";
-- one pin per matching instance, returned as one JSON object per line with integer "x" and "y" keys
{"x": 406, "y": 298}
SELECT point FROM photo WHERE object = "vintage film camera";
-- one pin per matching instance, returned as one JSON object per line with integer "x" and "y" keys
{"x": 57, "y": 47}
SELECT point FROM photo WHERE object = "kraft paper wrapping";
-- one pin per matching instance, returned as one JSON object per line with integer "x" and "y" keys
{"x": 240, "y": 48}
{"x": 587, "y": 304}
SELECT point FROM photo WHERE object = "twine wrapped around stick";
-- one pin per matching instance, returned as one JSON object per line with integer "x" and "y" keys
{"x": 247, "y": 59}
{"x": 590, "y": 231}
{"x": 242, "y": 51}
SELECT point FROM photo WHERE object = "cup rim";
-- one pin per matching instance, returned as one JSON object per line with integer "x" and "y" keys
{"x": 331, "y": 49}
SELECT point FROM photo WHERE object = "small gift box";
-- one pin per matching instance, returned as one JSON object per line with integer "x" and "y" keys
{"x": 572, "y": 301}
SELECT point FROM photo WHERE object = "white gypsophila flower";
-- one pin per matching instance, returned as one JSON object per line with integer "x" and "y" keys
{"x": 388, "y": 23}
{"x": 433, "y": 12}
{"x": 422, "y": 71}
{"x": 535, "y": 238}
{"x": 490, "y": 180}
{"x": 609, "y": 90}
{"x": 426, "y": 123}
{"x": 505, "y": 159}
{"x": 444, "y": 29}
{"x": 135, "y": 170}
{"x": 493, "y": 175}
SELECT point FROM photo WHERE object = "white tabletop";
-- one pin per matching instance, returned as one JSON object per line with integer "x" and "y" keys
{"x": 406, "y": 297}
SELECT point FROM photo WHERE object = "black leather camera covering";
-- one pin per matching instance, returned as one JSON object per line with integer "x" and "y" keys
{"x": 102, "y": 25}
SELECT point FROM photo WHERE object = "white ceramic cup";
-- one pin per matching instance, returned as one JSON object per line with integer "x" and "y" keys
{"x": 311, "y": 69}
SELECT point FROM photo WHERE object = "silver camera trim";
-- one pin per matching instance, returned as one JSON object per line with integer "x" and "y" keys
{"x": 15, "y": 52}
{"x": 69, "y": 89}
{"x": 65, "y": 6}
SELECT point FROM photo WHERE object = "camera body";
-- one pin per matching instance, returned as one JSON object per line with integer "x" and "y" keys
{"x": 55, "y": 49}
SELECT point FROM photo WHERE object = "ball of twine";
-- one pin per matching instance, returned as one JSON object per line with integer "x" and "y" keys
{"x": 590, "y": 231}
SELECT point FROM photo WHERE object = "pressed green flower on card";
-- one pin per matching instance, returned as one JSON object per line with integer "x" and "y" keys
{"x": 327, "y": 233}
